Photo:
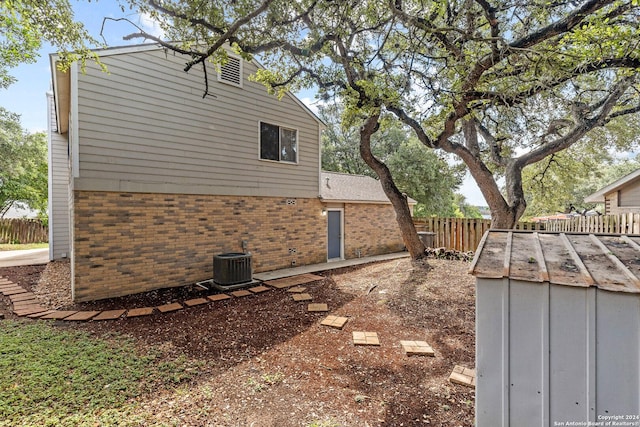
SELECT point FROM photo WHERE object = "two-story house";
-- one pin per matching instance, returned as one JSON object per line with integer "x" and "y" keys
{"x": 149, "y": 180}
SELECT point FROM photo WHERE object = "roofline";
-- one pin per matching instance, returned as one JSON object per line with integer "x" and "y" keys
{"x": 599, "y": 196}
{"x": 369, "y": 202}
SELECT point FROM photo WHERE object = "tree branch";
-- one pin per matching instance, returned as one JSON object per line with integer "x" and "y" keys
{"x": 580, "y": 128}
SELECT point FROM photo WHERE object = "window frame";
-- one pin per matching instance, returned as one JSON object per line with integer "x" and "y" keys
{"x": 280, "y": 128}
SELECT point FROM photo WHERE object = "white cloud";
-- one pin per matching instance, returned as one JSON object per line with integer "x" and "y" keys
{"x": 150, "y": 25}
{"x": 312, "y": 103}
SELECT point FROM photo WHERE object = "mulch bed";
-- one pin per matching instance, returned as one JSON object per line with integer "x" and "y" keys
{"x": 264, "y": 360}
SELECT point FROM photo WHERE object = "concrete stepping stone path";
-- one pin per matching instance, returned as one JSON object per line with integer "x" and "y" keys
{"x": 417, "y": 348}
{"x": 366, "y": 338}
{"x": 302, "y": 297}
{"x": 463, "y": 376}
{"x": 318, "y": 307}
{"x": 334, "y": 321}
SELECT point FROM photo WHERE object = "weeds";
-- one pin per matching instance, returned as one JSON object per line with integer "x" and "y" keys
{"x": 50, "y": 377}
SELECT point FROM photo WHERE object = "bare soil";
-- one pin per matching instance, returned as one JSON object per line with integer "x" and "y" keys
{"x": 263, "y": 360}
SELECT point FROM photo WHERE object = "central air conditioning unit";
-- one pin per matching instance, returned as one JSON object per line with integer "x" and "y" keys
{"x": 231, "y": 269}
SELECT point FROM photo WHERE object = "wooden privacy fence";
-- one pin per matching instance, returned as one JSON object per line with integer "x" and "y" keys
{"x": 616, "y": 224}
{"x": 23, "y": 231}
{"x": 462, "y": 234}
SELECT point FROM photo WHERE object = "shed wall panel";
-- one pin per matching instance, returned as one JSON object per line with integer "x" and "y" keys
{"x": 492, "y": 371}
{"x": 145, "y": 127}
{"x": 548, "y": 354}
{"x": 618, "y": 349}
{"x": 569, "y": 366}
{"x": 526, "y": 356}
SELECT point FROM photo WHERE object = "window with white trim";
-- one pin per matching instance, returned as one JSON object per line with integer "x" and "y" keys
{"x": 278, "y": 143}
{"x": 231, "y": 71}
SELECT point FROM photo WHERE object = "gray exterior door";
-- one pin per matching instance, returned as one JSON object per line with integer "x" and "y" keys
{"x": 334, "y": 237}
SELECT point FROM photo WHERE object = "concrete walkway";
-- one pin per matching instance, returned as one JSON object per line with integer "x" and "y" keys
{"x": 24, "y": 257}
{"x": 331, "y": 265}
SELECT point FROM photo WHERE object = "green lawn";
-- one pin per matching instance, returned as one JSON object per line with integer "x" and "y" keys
{"x": 53, "y": 377}
{"x": 11, "y": 247}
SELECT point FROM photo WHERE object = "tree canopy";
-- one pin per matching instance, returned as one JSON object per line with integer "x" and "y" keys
{"x": 23, "y": 166}
{"x": 25, "y": 24}
{"x": 422, "y": 174}
{"x": 502, "y": 84}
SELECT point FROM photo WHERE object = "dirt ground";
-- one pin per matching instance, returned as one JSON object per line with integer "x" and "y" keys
{"x": 264, "y": 361}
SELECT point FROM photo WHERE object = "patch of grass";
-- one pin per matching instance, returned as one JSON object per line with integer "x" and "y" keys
{"x": 265, "y": 381}
{"x": 50, "y": 377}
{"x": 19, "y": 247}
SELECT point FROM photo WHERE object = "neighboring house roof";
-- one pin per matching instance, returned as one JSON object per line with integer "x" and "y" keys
{"x": 599, "y": 196}
{"x": 342, "y": 187}
{"x": 62, "y": 83}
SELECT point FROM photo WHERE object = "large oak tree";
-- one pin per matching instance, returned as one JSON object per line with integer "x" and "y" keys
{"x": 26, "y": 24}
{"x": 502, "y": 84}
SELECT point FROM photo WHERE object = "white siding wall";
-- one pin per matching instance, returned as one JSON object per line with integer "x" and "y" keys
{"x": 145, "y": 127}
{"x": 58, "y": 189}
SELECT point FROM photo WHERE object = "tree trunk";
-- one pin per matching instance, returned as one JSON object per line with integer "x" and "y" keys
{"x": 503, "y": 219}
{"x": 399, "y": 200}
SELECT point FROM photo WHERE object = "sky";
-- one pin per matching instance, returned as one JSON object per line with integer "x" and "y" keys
{"x": 27, "y": 96}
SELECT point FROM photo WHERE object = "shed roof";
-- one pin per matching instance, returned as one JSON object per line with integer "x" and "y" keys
{"x": 599, "y": 196}
{"x": 606, "y": 261}
{"x": 342, "y": 187}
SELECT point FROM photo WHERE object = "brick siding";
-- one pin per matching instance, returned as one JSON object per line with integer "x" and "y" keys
{"x": 370, "y": 229}
{"x": 126, "y": 243}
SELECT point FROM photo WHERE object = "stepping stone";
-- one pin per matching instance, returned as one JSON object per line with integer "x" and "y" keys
{"x": 14, "y": 291}
{"x": 293, "y": 280}
{"x": 297, "y": 289}
{"x": 418, "y": 348}
{"x": 334, "y": 321}
{"x": 58, "y": 315}
{"x": 12, "y": 288}
{"x": 82, "y": 316}
{"x": 365, "y": 338}
{"x": 7, "y": 284}
{"x": 167, "y": 308}
{"x": 218, "y": 297}
{"x": 25, "y": 303}
{"x": 22, "y": 297}
{"x": 36, "y": 315}
{"x": 258, "y": 289}
{"x": 463, "y": 376}
{"x": 137, "y": 312}
{"x": 109, "y": 315}
{"x": 317, "y": 307}
{"x": 195, "y": 301}
{"x": 19, "y": 304}
{"x": 302, "y": 297}
{"x": 31, "y": 309}
{"x": 241, "y": 293}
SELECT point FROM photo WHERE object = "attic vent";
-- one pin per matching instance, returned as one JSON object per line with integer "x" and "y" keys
{"x": 291, "y": 202}
{"x": 231, "y": 72}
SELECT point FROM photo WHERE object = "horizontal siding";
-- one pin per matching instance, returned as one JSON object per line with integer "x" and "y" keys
{"x": 146, "y": 126}
{"x": 629, "y": 196}
{"x": 59, "y": 193}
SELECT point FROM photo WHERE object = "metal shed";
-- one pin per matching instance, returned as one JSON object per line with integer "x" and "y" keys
{"x": 557, "y": 329}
